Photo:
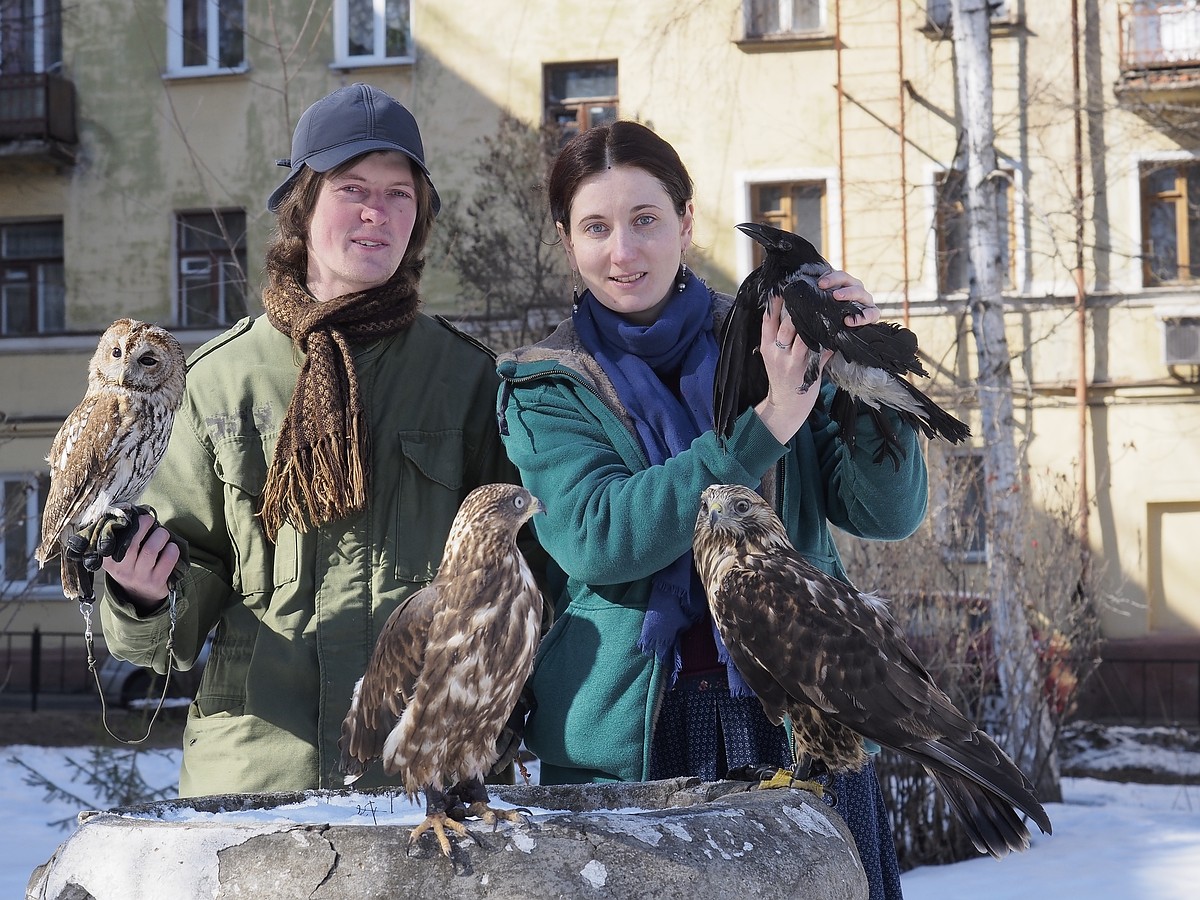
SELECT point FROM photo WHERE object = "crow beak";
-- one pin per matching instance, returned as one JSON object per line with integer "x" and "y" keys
{"x": 755, "y": 231}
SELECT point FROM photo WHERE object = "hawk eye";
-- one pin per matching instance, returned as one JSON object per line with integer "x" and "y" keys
{"x": 116, "y": 352}
{"x": 148, "y": 360}
{"x": 519, "y": 502}
{"x": 742, "y": 507}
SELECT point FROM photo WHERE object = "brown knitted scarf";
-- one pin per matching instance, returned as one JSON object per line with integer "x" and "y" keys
{"x": 321, "y": 470}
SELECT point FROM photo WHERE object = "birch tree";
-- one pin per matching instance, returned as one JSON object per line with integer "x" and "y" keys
{"x": 1030, "y": 733}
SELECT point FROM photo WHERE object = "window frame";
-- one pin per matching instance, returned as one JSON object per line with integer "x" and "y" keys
{"x": 176, "y": 66}
{"x": 44, "y": 580}
{"x": 941, "y": 248}
{"x": 955, "y": 509}
{"x": 786, "y": 218}
{"x": 36, "y": 267}
{"x": 747, "y": 182}
{"x": 45, "y": 43}
{"x": 582, "y": 106}
{"x": 938, "y": 15}
{"x": 1187, "y": 249}
{"x": 224, "y": 259}
{"x": 341, "y": 39}
{"x": 786, "y": 15}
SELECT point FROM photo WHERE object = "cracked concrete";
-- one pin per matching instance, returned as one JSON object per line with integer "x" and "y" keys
{"x": 672, "y": 839}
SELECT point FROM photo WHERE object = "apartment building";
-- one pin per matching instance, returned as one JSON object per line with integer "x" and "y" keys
{"x": 138, "y": 140}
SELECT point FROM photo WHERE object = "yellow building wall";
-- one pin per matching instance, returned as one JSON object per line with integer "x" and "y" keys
{"x": 877, "y": 120}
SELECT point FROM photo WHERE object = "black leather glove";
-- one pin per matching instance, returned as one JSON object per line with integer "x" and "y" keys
{"x": 112, "y": 536}
{"x": 508, "y": 744}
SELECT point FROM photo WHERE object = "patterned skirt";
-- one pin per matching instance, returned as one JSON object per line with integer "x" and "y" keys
{"x": 703, "y": 732}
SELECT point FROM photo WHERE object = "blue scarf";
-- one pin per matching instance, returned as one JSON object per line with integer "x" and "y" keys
{"x": 636, "y": 359}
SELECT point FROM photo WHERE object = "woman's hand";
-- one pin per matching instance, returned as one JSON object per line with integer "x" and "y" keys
{"x": 787, "y": 358}
{"x": 847, "y": 288}
{"x": 146, "y": 566}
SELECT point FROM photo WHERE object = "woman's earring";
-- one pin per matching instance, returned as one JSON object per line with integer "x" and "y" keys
{"x": 681, "y": 284}
{"x": 574, "y": 291}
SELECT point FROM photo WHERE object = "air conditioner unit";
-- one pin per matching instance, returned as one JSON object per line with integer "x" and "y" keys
{"x": 1181, "y": 341}
{"x": 196, "y": 267}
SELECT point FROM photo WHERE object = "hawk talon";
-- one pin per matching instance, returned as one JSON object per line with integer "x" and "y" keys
{"x": 490, "y": 816}
{"x": 438, "y": 823}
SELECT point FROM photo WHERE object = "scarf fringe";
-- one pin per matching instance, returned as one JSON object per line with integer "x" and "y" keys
{"x": 320, "y": 483}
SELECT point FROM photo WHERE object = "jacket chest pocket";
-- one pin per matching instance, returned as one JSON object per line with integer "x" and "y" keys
{"x": 429, "y": 491}
{"x": 258, "y": 565}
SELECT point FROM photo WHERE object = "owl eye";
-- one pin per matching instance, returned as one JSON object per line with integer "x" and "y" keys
{"x": 148, "y": 360}
{"x": 116, "y": 352}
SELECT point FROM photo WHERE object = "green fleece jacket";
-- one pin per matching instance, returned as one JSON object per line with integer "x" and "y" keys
{"x": 613, "y": 520}
{"x": 296, "y": 621}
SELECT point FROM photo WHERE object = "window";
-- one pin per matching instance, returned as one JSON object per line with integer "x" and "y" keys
{"x": 580, "y": 95}
{"x": 30, "y": 36}
{"x": 205, "y": 36}
{"x": 23, "y": 498}
{"x": 795, "y": 206}
{"x": 212, "y": 268}
{"x": 1170, "y": 223}
{"x": 938, "y": 12}
{"x": 950, "y": 225}
{"x": 372, "y": 32}
{"x": 32, "y": 296}
{"x": 783, "y": 17}
{"x": 963, "y": 522}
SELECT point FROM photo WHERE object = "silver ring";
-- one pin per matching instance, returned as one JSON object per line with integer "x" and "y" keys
{"x": 783, "y": 346}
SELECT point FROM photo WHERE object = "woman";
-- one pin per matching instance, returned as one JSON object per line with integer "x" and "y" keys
{"x": 315, "y": 466}
{"x": 611, "y": 417}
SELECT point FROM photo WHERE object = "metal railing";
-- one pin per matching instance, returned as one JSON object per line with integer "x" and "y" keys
{"x": 1160, "y": 691}
{"x": 37, "y": 106}
{"x": 39, "y": 662}
{"x": 1162, "y": 37}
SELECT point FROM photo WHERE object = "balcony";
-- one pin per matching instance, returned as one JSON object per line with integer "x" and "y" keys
{"x": 37, "y": 118}
{"x": 1160, "y": 52}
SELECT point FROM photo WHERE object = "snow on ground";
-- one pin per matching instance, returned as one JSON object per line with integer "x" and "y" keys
{"x": 1111, "y": 839}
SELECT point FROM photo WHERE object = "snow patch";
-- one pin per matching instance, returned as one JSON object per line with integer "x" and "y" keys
{"x": 595, "y": 874}
{"x": 808, "y": 820}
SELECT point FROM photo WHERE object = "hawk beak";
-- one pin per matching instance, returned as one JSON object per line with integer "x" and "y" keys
{"x": 714, "y": 513}
{"x": 537, "y": 507}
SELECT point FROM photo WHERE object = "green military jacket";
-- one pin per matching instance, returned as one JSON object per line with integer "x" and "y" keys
{"x": 296, "y": 621}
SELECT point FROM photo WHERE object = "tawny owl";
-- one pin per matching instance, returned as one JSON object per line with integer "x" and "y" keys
{"x": 111, "y": 443}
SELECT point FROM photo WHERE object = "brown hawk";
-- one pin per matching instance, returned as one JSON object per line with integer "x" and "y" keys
{"x": 834, "y": 661}
{"x": 449, "y": 666}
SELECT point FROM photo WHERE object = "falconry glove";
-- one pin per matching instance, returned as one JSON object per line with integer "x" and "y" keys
{"x": 112, "y": 536}
{"x": 508, "y": 744}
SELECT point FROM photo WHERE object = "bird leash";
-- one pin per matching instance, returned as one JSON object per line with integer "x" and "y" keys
{"x": 85, "y": 551}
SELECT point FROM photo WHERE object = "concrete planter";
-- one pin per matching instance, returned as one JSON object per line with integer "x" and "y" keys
{"x": 678, "y": 838}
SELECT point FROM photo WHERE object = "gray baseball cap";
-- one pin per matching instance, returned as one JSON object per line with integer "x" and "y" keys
{"x": 349, "y": 122}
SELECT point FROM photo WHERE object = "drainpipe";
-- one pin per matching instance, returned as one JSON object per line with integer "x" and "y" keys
{"x": 1081, "y": 378}
{"x": 837, "y": 37}
{"x": 902, "y": 96}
